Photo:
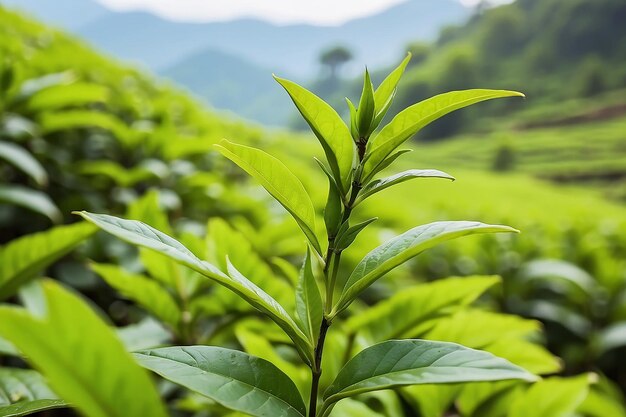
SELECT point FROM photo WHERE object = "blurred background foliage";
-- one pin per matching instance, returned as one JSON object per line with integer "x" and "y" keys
{"x": 81, "y": 131}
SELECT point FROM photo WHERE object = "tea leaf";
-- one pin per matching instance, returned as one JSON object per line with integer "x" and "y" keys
{"x": 24, "y": 391}
{"x": 23, "y": 258}
{"x": 81, "y": 357}
{"x": 381, "y": 184}
{"x": 409, "y": 121}
{"x": 276, "y": 178}
{"x": 140, "y": 234}
{"x": 404, "y": 247}
{"x": 396, "y": 363}
{"x": 234, "y": 379}
{"x": 309, "y": 301}
{"x": 327, "y": 125}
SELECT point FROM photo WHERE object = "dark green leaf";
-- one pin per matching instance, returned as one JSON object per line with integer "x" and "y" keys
{"x": 398, "y": 363}
{"x": 309, "y": 301}
{"x": 367, "y": 107}
{"x": 346, "y": 238}
{"x": 234, "y": 379}
{"x": 23, "y": 392}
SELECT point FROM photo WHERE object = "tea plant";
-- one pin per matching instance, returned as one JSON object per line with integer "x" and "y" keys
{"x": 252, "y": 385}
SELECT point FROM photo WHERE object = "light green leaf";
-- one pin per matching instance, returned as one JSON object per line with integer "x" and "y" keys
{"x": 365, "y": 112}
{"x": 347, "y": 237}
{"x": 23, "y": 258}
{"x": 353, "y": 129}
{"x": 276, "y": 178}
{"x": 388, "y": 161}
{"x": 142, "y": 290}
{"x": 394, "y": 317}
{"x": 81, "y": 358}
{"x": 140, "y": 234}
{"x": 30, "y": 199}
{"x": 309, "y": 301}
{"x": 397, "y": 363}
{"x": 385, "y": 91}
{"x": 331, "y": 131}
{"x": 73, "y": 95}
{"x": 233, "y": 379}
{"x": 404, "y": 247}
{"x": 23, "y": 392}
{"x": 409, "y": 121}
{"x": 146, "y": 334}
{"x": 377, "y": 186}
{"x": 552, "y": 397}
{"x": 24, "y": 161}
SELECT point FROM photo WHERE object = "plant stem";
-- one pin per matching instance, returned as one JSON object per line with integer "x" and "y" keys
{"x": 316, "y": 370}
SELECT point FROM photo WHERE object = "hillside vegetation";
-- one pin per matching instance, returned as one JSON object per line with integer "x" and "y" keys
{"x": 93, "y": 134}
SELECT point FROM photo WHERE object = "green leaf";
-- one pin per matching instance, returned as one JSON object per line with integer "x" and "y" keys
{"x": 140, "y": 234}
{"x": 81, "y": 358}
{"x": 73, "y": 95}
{"x": 23, "y": 258}
{"x": 381, "y": 184}
{"x": 233, "y": 379}
{"x": 276, "y": 178}
{"x": 30, "y": 199}
{"x": 334, "y": 207}
{"x": 354, "y": 131}
{"x": 388, "y": 161}
{"x": 365, "y": 112}
{"x": 327, "y": 125}
{"x": 397, "y": 363}
{"x": 552, "y": 397}
{"x": 142, "y": 290}
{"x": 309, "y": 301}
{"x": 404, "y": 247}
{"x": 386, "y": 90}
{"x": 409, "y": 121}
{"x": 397, "y": 315}
{"x": 24, "y": 161}
{"x": 24, "y": 391}
{"x": 346, "y": 238}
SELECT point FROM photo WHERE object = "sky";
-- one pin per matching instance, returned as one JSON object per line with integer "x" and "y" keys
{"x": 321, "y": 12}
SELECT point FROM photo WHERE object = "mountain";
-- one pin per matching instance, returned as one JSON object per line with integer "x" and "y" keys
{"x": 234, "y": 84}
{"x": 67, "y": 14}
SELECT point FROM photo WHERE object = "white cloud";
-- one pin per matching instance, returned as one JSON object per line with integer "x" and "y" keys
{"x": 325, "y": 12}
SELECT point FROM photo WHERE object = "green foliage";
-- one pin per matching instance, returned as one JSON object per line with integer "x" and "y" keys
{"x": 23, "y": 392}
{"x": 70, "y": 344}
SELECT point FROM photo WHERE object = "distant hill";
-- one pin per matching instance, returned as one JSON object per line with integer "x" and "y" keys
{"x": 229, "y": 64}
{"x": 234, "y": 84}
{"x": 294, "y": 49}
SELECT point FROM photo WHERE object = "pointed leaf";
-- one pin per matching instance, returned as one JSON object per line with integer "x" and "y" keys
{"x": 35, "y": 201}
{"x": 346, "y": 238}
{"x": 233, "y": 379}
{"x": 386, "y": 162}
{"x": 381, "y": 184}
{"x": 353, "y": 129}
{"x": 274, "y": 176}
{"x": 24, "y": 161}
{"x": 140, "y": 234}
{"x": 23, "y": 258}
{"x": 365, "y": 112}
{"x": 331, "y": 131}
{"x": 309, "y": 301}
{"x": 142, "y": 290}
{"x": 23, "y": 392}
{"x": 409, "y": 121}
{"x": 398, "y": 363}
{"x": 404, "y": 247}
{"x": 385, "y": 91}
{"x": 81, "y": 358}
